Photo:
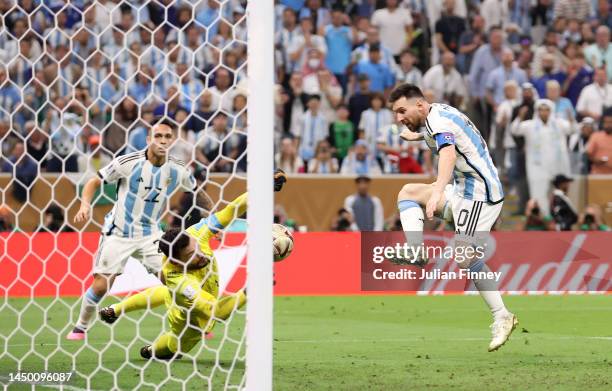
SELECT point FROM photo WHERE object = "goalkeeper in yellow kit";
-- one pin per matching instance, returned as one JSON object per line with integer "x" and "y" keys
{"x": 191, "y": 288}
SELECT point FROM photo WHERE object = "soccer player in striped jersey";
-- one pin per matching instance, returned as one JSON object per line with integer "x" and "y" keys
{"x": 476, "y": 198}
{"x": 145, "y": 182}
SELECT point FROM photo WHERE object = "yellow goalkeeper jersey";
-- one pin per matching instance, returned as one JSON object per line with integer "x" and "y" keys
{"x": 203, "y": 231}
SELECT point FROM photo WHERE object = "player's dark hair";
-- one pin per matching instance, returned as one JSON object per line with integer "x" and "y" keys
{"x": 405, "y": 90}
{"x": 172, "y": 242}
{"x": 163, "y": 120}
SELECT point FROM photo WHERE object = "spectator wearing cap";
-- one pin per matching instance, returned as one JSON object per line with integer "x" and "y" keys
{"x": 562, "y": 209}
{"x": 446, "y": 82}
{"x": 339, "y": 39}
{"x": 546, "y": 149}
{"x": 469, "y": 42}
{"x": 360, "y": 161}
{"x": 298, "y": 50}
{"x": 366, "y": 209}
{"x": 596, "y": 96}
{"x": 579, "y": 161}
{"x": 548, "y": 73}
{"x": 380, "y": 75}
{"x": 599, "y": 147}
{"x": 449, "y": 29}
{"x": 23, "y": 170}
{"x": 508, "y": 70}
{"x": 573, "y": 9}
{"x": 395, "y": 26}
{"x": 360, "y": 100}
{"x": 313, "y": 128}
{"x": 579, "y": 75}
{"x": 600, "y": 53}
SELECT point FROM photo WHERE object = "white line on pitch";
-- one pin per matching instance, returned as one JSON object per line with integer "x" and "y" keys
{"x": 422, "y": 339}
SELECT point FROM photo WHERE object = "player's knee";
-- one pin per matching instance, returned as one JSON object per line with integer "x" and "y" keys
{"x": 408, "y": 192}
{"x": 102, "y": 283}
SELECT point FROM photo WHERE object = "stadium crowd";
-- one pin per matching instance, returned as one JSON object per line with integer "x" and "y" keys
{"x": 81, "y": 81}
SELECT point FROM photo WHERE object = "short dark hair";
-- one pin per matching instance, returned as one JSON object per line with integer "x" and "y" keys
{"x": 172, "y": 242}
{"x": 405, "y": 90}
{"x": 163, "y": 120}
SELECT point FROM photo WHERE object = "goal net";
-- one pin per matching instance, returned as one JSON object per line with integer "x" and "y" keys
{"x": 81, "y": 85}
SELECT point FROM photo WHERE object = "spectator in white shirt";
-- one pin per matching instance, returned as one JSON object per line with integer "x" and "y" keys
{"x": 314, "y": 128}
{"x": 223, "y": 91}
{"x": 373, "y": 119}
{"x": 446, "y": 82}
{"x": 395, "y": 26}
{"x": 287, "y": 158}
{"x": 304, "y": 41}
{"x": 323, "y": 162}
{"x": 407, "y": 72}
{"x": 495, "y": 13}
{"x": 284, "y": 39}
{"x": 594, "y": 97}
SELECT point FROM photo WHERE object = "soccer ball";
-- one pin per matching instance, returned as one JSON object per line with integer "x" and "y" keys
{"x": 282, "y": 242}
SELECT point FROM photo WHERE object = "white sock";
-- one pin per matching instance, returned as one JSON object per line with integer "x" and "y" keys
{"x": 489, "y": 291}
{"x": 88, "y": 309}
{"x": 412, "y": 217}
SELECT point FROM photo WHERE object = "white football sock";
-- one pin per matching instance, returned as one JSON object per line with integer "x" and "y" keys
{"x": 412, "y": 218}
{"x": 489, "y": 291}
{"x": 88, "y": 309}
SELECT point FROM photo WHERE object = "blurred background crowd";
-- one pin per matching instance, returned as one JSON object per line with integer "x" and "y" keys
{"x": 81, "y": 81}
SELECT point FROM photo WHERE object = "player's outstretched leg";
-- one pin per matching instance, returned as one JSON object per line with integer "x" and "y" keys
{"x": 89, "y": 304}
{"x": 149, "y": 298}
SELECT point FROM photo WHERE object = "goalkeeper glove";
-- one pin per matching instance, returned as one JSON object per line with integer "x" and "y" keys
{"x": 279, "y": 179}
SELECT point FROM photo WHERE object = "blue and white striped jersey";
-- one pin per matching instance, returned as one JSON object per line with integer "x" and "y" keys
{"x": 475, "y": 175}
{"x": 143, "y": 191}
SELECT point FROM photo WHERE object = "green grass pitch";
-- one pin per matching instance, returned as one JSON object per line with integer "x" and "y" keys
{"x": 340, "y": 343}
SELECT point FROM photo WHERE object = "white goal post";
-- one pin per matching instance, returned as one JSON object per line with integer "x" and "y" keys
{"x": 259, "y": 184}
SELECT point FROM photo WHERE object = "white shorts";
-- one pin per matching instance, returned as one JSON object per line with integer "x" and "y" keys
{"x": 471, "y": 216}
{"x": 114, "y": 251}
